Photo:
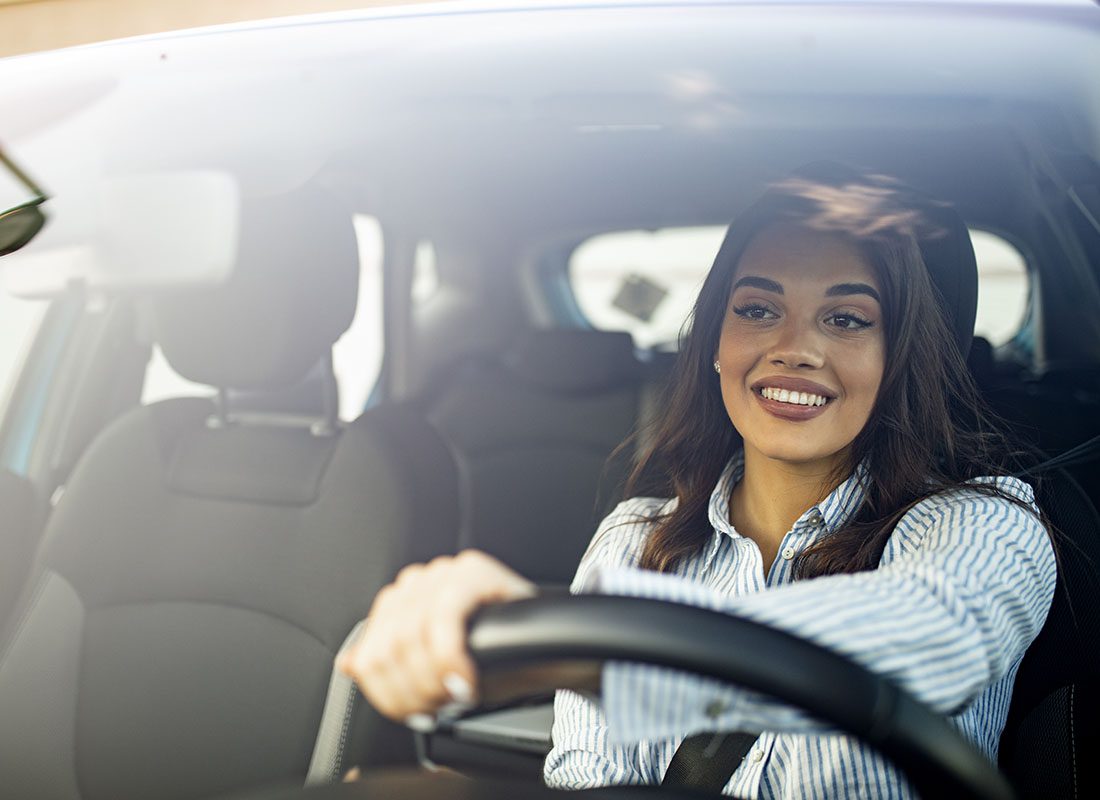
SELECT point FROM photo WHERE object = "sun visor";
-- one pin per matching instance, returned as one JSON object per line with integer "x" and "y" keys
{"x": 133, "y": 233}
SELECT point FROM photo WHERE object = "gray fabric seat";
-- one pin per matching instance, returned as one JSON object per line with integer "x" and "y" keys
{"x": 533, "y": 431}
{"x": 208, "y": 559}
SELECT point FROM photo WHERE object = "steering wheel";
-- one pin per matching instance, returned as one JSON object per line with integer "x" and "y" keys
{"x": 563, "y": 631}
{"x": 528, "y": 646}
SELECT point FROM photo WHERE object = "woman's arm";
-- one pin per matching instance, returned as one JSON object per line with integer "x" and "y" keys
{"x": 410, "y": 658}
{"x": 966, "y": 589}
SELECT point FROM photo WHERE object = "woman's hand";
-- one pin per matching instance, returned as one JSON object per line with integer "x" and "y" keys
{"x": 410, "y": 658}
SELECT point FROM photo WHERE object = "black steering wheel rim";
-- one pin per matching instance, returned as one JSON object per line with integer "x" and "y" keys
{"x": 553, "y": 630}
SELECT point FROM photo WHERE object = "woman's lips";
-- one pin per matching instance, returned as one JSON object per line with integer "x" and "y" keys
{"x": 790, "y": 411}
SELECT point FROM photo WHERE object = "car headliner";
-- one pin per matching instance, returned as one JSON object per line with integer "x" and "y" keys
{"x": 528, "y": 124}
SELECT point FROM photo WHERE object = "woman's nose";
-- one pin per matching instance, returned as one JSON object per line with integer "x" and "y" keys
{"x": 797, "y": 346}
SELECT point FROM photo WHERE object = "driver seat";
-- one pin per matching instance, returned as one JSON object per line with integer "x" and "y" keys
{"x": 1050, "y": 746}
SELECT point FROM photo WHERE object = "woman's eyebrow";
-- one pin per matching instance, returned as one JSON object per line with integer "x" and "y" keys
{"x": 852, "y": 288}
{"x": 759, "y": 283}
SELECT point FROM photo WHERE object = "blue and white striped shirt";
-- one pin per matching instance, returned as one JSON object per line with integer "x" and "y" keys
{"x": 963, "y": 587}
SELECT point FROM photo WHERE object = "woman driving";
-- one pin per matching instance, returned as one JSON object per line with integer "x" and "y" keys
{"x": 824, "y": 465}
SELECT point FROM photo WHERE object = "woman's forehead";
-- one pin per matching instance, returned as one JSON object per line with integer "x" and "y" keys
{"x": 794, "y": 254}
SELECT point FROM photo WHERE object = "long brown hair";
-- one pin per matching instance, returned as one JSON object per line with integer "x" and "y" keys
{"x": 929, "y": 430}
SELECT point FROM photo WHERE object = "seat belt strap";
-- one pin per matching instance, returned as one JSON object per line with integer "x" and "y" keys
{"x": 706, "y": 761}
{"x": 1078, "y": 454}
{"x": 330, "y": 750}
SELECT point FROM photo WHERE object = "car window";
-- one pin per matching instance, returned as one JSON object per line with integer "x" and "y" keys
{"x": 644, "y": 282}
{"x": 19, "y": 321}
{"x": 357, "y": 356}
{"x": 1003, "y": 287}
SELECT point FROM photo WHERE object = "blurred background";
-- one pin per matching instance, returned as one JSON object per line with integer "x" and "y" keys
{"x": 27, "y": 26}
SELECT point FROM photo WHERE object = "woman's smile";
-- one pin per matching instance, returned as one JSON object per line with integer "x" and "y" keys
{"x": 793, "y": 399}
{"x": 793, "y": 412}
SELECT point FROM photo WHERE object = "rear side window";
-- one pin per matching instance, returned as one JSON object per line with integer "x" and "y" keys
{"x": 1003, "y": 287}
{"x": 19, "y": 322}
{"x": 645, "y": 282}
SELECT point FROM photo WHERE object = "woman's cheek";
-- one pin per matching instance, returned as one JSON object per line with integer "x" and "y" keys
{"x": 863, "y": 370}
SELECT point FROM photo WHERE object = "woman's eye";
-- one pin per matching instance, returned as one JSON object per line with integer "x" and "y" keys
{"x": 754, "y": 312}
{"x": 849, "y": 322}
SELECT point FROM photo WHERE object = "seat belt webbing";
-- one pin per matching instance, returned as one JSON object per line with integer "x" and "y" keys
{"x": 330, "y": 750}
{"x": 706, "y": 761}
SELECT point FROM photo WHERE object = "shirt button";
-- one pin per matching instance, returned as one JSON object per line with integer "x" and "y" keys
{"x": 788, "y": 553}
{"x": 715, "y": 708}
{"x": 815, "y": 517}
{"x": 758, "y": 755}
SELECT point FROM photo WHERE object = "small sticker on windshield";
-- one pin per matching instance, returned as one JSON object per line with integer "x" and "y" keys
{"x": 639, "y": 297}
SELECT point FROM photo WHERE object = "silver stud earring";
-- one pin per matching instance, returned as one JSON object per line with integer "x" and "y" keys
{"x": 717, "y": 366}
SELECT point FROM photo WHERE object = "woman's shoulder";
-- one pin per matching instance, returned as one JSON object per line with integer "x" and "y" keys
{"x": 987, "y": 524}
{"x": 620, "y": 537}
{"x": 631, "y": 520}
{"x": 969, "y": 511}
{"x": 638, "y": 509}
{"x": 982, "y": 494}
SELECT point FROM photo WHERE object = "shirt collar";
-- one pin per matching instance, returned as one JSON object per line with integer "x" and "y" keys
{"x": 718, "y": 511}
{"x": 835, "y": 510}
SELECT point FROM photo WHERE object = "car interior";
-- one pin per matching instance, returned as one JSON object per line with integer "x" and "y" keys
{"x": 179, "y": 574}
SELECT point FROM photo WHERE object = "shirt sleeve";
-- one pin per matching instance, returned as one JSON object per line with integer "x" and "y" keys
{"x": 951, "y": 612}
{"x": 582, "y": 756}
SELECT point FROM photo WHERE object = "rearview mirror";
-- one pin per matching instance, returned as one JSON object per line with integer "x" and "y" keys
{"x": 20, "y": 224}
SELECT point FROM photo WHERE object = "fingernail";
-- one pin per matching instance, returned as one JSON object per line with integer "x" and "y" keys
{"x": 458, "y": 688}
{"x": 421, "y": 723}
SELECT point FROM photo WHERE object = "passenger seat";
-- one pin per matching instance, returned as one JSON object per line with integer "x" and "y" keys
{"x": 209, "y": 557}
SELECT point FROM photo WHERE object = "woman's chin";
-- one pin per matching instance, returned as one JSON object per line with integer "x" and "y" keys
{"x": 801, "y": 454}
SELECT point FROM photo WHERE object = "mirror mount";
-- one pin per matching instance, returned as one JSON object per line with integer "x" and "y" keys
{"x": 22, "y": 223}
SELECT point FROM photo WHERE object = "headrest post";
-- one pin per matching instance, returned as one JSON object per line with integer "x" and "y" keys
{"x": 330, "y": 398}
{"x": 220, "y": 418}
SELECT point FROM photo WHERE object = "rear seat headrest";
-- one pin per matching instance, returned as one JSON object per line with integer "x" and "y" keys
{"x": 954, "y": 269}
{"x": 565, "y": 360}
{"x": 291, "y": 295}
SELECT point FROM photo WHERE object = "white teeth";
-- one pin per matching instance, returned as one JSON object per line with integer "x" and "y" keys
{"x": 794, "y": 398}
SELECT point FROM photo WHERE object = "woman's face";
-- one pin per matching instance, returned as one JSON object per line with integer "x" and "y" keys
{"x": 802, "y": 347}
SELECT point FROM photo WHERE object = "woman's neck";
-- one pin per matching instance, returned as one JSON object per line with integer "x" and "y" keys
{"x": 773, "y": 494}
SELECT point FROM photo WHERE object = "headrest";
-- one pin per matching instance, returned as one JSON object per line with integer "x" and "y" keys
{"x": 313, "y": 397}
{"x": 567, "y": 360}
{"x": 942, "y": 235}
{"x": 954, "y": 269}
{"x": 291, "y": 295}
